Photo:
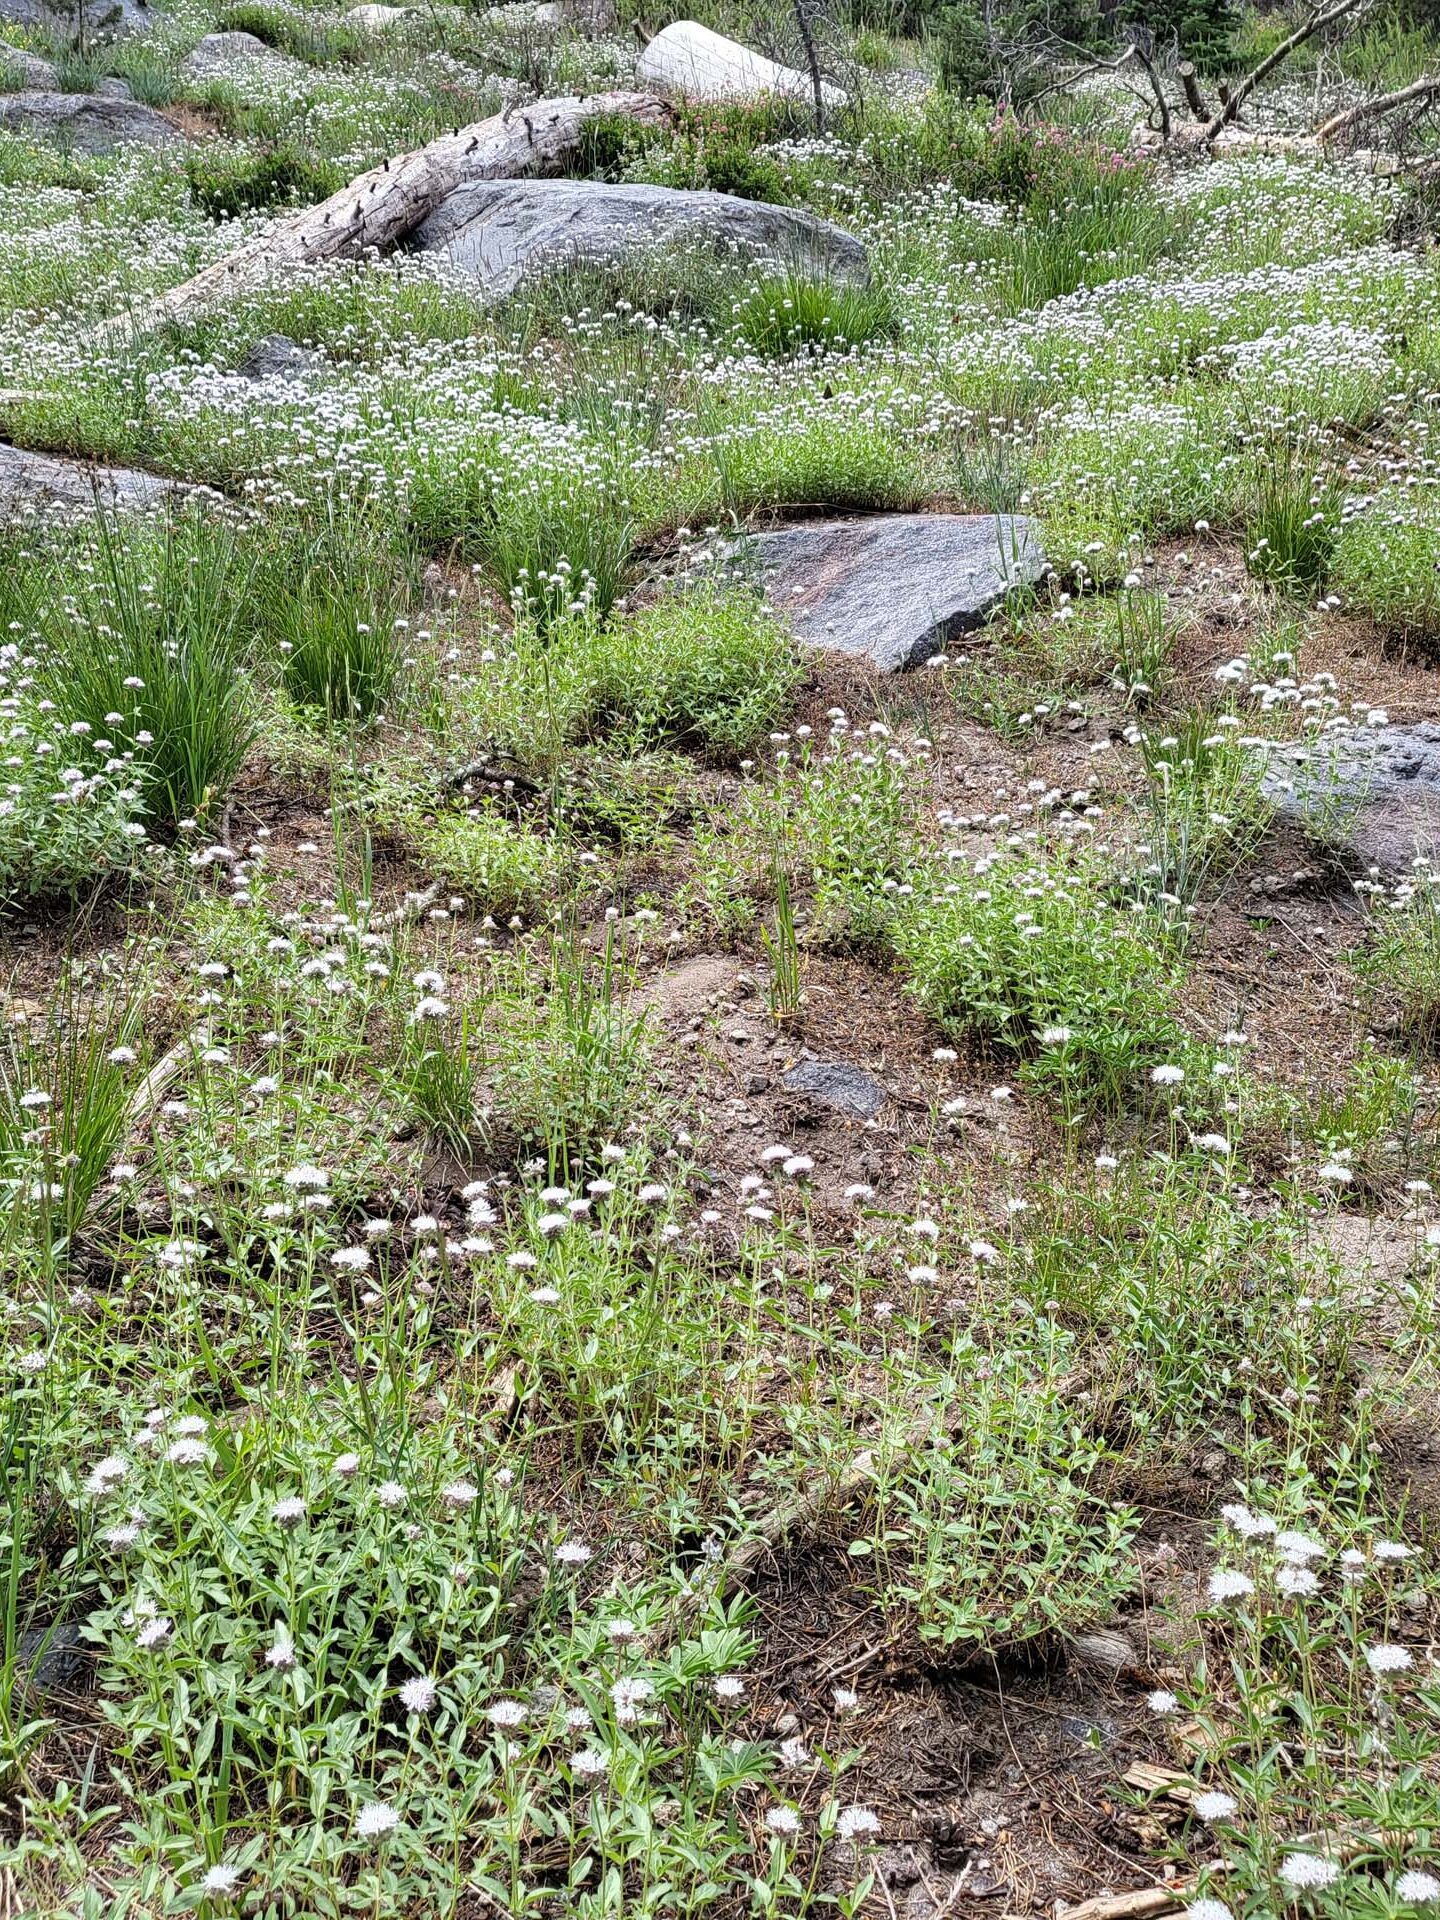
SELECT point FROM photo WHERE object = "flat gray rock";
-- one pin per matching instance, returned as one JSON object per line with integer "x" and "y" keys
{"x": 1373, "y": 792}
{"x": 834, "y": 1083}
{"x": 91, "y": 123}
{"x": 36, "y": 483}
{"x": 498, "y": 231}
{"x": 893, "y": 588}
{"x": 220, "y": 54}
{"x": 32, "y": 70}
{"x": 108, "y": 16}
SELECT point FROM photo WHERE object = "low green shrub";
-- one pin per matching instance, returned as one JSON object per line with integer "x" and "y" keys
{"x": 705, "y": 667}
{"x": 63, "y": 829}
{"x": 226, "y": 180}
{"x": 500, "y": 869}
{"x": 991, "y": 1533}
{"x": 572, "y": 1061}
{"x": 1034, "y": 961}
{"x": 293, "y": 31}
{"x": 1401, "y": 960}
{"x": 560, "y": 545}
{"x": 1387, "y": 564}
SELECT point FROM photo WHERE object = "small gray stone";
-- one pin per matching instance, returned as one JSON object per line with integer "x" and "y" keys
{"x": 1373, "y": 792}
{"x": 836, "y": 1084}
{"x": 498, "y": 231}
{"x": 276, "y": 357}
{"x": 89, "y": 122}
{"x": 894, "y": 588}
{"x": 52, "y": 1657}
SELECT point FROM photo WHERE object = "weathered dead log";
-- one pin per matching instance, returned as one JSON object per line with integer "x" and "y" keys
{"x": 1342, "y": 123}
{"x": 380, "y": 208}
{"x": 1235, "y": 97}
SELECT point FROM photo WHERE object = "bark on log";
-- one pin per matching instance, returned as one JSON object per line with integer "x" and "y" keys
{"x": 1190, "y": 87}
{"x": 379, "y": 209}
{"x": 1143, "y": 1905}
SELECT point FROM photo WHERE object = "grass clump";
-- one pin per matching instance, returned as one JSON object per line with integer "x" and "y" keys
{"x": 336, "y": 608}
{"x": 146, "y": 646}
{"x": 1294, "y": 528}
{"x": 790, "y": 312}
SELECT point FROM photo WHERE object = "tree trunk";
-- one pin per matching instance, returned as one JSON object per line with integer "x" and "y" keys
{"x": 1190, "y": 86}
{"x": 379, "y": 209}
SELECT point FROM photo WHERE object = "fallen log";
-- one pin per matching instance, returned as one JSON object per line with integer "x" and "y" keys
{"x": 1342, "y": 123}
{"x": 375, "y": 212}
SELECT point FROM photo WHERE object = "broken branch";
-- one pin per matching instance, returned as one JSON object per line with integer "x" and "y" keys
{"x": 1341, "y": 123}
{"x": 1236, "y": 96}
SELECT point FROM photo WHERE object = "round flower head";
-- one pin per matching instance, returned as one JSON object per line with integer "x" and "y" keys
{"x": 221, "y": 1879}
{"x": 1388, "y": 1658}
{"x": 1302, "y": 1871}
{"x": 418, "y": 1695}
{"x": 1208, "y": 1909}
{"x": 1227, "y": 1583}
{"x": 1161, "y": 1701}
{"x": 783, "y": 1820}
{"x": 1299, "y": 1546}
{"x": 375, "y": 1820}
{"x": 1391, "y": 1550}
{"x": 1214, "y": 1805}
{"x": 1420, "y": 1889}
{"x": 1296, "y": 1583}
{"x": 856, "y": 1822}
